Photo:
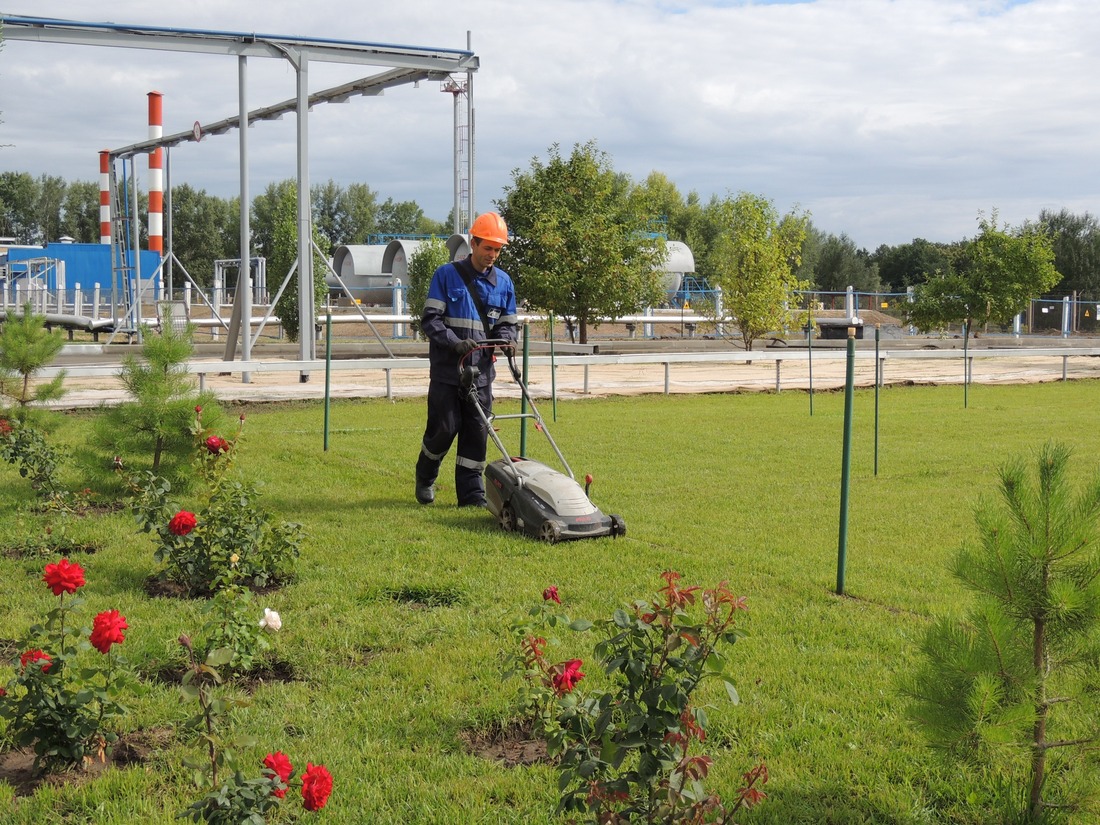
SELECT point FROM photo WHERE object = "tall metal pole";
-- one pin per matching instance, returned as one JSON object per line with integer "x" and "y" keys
{"x": 457, "y": 224}
{"x": 168, "y": 279}
{"x": 307, "y": 348}
{"x": 846, "y": 463}
{"x": 244, "y": 272}
{"x": 522, "y": 396}
{"x": 470, "y": 124}
{"x": 328, "y": 370}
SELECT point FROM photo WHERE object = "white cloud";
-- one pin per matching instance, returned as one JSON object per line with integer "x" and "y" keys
{"x": 887, "y": 120}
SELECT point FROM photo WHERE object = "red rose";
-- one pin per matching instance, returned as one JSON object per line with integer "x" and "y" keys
{"x": 316, "y": 787}
{"x": 107, "y": 630}
{"x": 3, "y": 692}
{"x": 216, "y": 444}
{"x": 198, "y": 408}
{"x": 64, "y": 577}
{"x": 182, "y": 523}
{"x": 33, "y": 656}
{"x": 567, "y": 676}
{"x": 550, "y": 594}
{"x": 5, "y": 427}
{"x": 279, "y": 764}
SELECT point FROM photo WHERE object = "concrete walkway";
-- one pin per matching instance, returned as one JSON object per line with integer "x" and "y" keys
{"x": 616, "y": 379}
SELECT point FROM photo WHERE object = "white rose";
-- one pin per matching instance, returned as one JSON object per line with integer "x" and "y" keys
{"x": 271, "y": 620}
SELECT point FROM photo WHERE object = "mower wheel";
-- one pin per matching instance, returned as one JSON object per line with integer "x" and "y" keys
{"x": 618, "y": 526}
{"x": 508, "y": 518}
{"x": 550, "y": 532}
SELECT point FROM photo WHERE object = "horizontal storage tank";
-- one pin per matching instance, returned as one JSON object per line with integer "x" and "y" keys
{"x": 458, "y": 246}
{"x": 680, "y": 262}
{"x": 395, "y": 263}
{"x": 360, "y": 268}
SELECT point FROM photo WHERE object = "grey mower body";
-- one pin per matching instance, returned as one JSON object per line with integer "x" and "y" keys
{"x": 527, "y": 496}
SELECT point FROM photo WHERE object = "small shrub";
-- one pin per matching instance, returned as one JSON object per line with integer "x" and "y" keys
{"x": 629, "y": 753}
{"x": 231, "y": 795}
{"x": 229, "y": 540}
{"x": 57, "y": 703}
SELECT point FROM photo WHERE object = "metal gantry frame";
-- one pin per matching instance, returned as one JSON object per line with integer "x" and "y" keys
{"x": 409, "y": 64}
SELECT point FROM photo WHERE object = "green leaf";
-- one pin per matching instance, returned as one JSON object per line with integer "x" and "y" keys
{"x": 219, "y": 657}
{"x": 731, "y": 691}
{"x": 580, "y": 625}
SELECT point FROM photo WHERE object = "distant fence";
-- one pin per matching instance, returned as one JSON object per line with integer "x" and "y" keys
{"x": 688, "y": 310}
{"x": 783, "y": 368}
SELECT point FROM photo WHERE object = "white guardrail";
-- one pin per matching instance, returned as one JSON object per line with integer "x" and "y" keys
{"x": 800, "y": 357}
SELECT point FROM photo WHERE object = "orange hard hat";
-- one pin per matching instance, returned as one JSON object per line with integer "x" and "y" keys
{"x": 489, "y": 226}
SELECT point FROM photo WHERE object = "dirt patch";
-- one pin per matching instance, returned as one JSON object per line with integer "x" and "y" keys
{"x": 159, "y": 587}
{"x": 265, "y": 673}
{"x": 31, "y": 549}
{"x": 134, "y": 748}
{"x": 512, "y": 743}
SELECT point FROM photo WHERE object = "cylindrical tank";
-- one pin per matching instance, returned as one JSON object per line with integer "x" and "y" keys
{"x": 458, "y": 246}
{"x": 395, "y": 261}
{"x": 360, "y": 268}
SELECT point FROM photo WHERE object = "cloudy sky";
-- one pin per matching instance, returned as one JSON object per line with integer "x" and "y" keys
{"x": 884, "y": 119}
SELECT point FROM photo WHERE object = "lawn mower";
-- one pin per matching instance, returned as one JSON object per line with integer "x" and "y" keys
{"x": 526, "y": 495}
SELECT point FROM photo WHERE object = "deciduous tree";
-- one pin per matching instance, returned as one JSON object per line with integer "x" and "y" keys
{"x": 993, "y": 278}
{"x": 753, "y": 261}
{"x": 1076, "y": 243}
{"x": 582, "y": 246}
{"x": 423, "y": 263}
{"x": 284, "y": 258}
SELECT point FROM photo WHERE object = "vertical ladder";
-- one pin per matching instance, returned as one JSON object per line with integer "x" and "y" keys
{"x": 123, "y": 277}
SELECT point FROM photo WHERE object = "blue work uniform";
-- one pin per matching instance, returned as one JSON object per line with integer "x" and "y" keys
{"x": 450, "y": 315}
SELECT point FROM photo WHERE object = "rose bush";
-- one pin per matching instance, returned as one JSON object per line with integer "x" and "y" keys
{"x": 543, "y": 681}
{"x": 629, "y": 753}
{"x": 57, "y": 703}
{"x": 231, "y": 795}
{"x": 227, "y": 540}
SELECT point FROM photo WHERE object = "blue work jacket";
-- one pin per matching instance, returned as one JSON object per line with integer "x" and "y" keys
{"x": 450, "y": 315}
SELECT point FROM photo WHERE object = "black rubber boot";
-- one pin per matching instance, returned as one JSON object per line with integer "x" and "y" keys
{"x": 425, "y": 491}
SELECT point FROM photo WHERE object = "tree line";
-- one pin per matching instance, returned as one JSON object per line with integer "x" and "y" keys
{"x": 206, "y": 228}
{"x": 587, "y": 240}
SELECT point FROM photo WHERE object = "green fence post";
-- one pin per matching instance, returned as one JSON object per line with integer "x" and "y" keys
{"x": 328, "y": 369}
{"x": 810, "y": 360}
{"x": 878, "y": 332}
{"x": 846, "y": 463}
{"x": 523, "y": 396}
{"x": 553, "y": 371}
{"x": 966, "y": 366}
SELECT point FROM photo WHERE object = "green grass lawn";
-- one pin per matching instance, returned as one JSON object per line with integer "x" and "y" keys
{"x": 743, "y": 488}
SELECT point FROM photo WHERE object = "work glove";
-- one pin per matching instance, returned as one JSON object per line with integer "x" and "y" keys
{"x": 464, "y": 346}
